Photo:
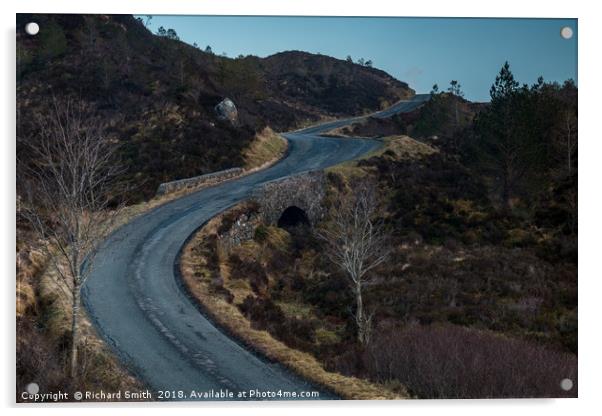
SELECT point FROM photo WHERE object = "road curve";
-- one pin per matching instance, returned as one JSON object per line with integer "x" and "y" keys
{"x": 135, "y": 301}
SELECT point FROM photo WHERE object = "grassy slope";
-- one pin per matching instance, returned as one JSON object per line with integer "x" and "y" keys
{"x": 396, "y": 147}
{"x": 195, "y": 268}
{"x": 265, "y": 149}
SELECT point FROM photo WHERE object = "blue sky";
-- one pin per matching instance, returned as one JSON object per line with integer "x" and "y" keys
{"x": 420, "y": 51}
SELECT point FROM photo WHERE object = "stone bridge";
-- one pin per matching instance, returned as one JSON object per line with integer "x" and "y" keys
{"x": 293, "y": 200}
{"x": 287, "y": 202}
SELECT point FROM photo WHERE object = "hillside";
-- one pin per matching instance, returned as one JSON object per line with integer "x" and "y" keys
{"x": 444, "y": 116}
{"x": 478, "y": 210}
{"x": 158, "y": 94}
{"x": 335, "y": 86}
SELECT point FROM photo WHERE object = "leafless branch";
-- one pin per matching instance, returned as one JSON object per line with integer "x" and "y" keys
{"x": 357, "y": 244}
{"x": 70, "y": 183}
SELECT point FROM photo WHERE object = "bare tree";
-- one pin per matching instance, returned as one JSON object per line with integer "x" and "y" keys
{"x": 357, "y": 244}
{"x": 570, "y": 138}
{"x": 71, "y": 180}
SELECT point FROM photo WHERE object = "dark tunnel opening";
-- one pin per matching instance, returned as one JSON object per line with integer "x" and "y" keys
{"x": 293, "y": 217}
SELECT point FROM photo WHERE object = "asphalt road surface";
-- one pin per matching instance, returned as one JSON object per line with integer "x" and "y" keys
{"x": 138, "y": 306}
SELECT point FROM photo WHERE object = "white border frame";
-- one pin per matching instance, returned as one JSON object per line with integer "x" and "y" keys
{"x": 589, "y": 205}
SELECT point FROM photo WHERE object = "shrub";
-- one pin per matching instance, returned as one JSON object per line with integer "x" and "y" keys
{"x": 261, "y": 234}
{"x": 53, "y": 41}
{"x": 261, "y": 312}
{"x": 451, "y": 362}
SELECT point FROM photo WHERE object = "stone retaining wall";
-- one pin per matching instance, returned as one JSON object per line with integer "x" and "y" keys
{"x": 243, "y": 229}
{"x": 203, "y": 180}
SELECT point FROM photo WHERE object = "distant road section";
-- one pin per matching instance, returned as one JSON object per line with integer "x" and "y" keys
{"x": 135, "y": 301}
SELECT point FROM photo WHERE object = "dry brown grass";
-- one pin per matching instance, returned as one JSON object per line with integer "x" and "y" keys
{"x": 267, "y": 148}
{"x": 30, "y": 262}
{"x": 405, "y": 147}
{"x": 227, "y": 315}
{"x": 396, "y": 147}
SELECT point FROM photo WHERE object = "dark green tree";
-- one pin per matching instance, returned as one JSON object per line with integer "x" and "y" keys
{"x": 161, "y": 31}
{"x": 53, "y": 41}
{"x": 511, "y": 134}
{"x": 455, "y": 88}
{"x": 171, "y": 34}
{"x": 505, "y": 85}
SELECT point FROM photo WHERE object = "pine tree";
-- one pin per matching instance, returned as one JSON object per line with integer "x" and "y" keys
{"x": 510, "y": 134}
{"x": 171, "y": 34}
{"x": 505, "y": 85}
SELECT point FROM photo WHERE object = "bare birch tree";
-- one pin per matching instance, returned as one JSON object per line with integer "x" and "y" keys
{"x": 70, "y": 180}
{"x": 570, "y": 138}
{"x": 357, "y": 244}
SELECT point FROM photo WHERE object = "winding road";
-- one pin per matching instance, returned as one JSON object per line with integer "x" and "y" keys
{"x": 137, "y": 305}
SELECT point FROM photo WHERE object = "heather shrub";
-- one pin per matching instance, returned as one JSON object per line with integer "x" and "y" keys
{"x": 452, "y": 362}
{"x": 264, "y": 314}
{"x": 250, "y": 270}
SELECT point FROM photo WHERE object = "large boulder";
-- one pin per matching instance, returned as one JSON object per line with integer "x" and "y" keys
{"x": 226, "y": 110}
